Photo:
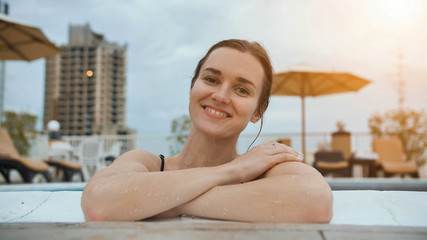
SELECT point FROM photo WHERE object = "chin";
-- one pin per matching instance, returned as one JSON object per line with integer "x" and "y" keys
{"x": 217, "y": 131}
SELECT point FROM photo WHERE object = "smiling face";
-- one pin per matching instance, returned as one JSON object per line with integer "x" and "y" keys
{"x": 225, "y": 95}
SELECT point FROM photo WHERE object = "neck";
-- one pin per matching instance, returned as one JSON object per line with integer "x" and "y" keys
{"x": 201, "y": 150}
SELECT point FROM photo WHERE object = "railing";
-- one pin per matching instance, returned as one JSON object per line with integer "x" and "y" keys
{"x": 129, "y": 142}
{"x": 361, "y": 142}
{"x": 159, "y": 144}
{"x": 39, "y": 146}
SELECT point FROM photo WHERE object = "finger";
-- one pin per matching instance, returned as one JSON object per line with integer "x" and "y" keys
{"x": 286, "y": 148}
{"x": 289, "y": 157}
{"x": 276, "y": 148}
{"x": 272, "y": 147}
{"x": 272, "y": 144}
{"x": 284, "y": 157}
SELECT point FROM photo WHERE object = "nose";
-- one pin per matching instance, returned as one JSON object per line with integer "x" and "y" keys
{"x": 221, "y": 95}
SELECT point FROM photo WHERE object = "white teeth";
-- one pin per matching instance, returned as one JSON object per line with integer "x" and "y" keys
{"x": 218, "y": 113}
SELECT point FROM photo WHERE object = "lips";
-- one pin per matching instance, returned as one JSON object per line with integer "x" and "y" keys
{"x": 216, "y": 111}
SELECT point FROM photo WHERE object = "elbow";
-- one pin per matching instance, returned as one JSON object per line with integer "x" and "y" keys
{"x": 321, "y": 207}
{"x": 308, "y": 207}
{"x": 97, "y": 206}
{"x": 92, "y": 210}
{"x": 93, "y": 215}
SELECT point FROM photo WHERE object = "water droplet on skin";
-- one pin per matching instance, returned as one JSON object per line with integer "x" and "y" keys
{"x": 308, "y": 193}
{"x": 224, "y": 211}
{"x": 177, "y": 199}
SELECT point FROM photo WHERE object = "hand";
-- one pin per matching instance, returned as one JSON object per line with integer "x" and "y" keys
{"x": 260, "y": 159}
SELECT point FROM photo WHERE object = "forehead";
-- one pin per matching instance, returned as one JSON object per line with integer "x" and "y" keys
{"x": 236, "y": 64}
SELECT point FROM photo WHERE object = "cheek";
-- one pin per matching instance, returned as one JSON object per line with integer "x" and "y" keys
{"x": 248, "y": 108}
{"x": 196, "y": 93}
{"x": 193, "y": 96}
{"x": 197, "y": 88}
{"x": 193, "y": 88}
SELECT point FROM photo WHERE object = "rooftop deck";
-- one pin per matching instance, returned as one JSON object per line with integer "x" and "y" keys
{"x": 204, "y": 230}
{"x": 52, "y": 211}
{"x": 364, "y": 208}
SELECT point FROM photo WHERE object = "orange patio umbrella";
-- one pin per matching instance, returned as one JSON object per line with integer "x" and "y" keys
{"x": 19, "y": 41}
{"x": 304, "y": 80}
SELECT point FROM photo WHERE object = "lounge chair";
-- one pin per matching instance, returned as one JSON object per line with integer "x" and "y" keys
{"x": 286, "y": 141}
{"x": 10, "y": 159}
{"x": 341, "y": 141}
{"x": 60, "y": 156}
{"x": 391, "y": 158}
{"x": 331, "y": 162}
{"x": 68, "y": 168}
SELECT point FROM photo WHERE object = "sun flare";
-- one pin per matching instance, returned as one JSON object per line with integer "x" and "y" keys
{"x": 396, "y": 12}
{"x": 399, "y": 8}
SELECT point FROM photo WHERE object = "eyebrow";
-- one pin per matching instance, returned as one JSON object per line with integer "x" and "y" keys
{"x": 240, "y": 79}
{"x": 246, "y": 81}
{"x": 213, "y": 70}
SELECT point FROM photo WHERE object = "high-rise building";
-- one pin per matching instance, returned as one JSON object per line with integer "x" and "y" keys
{"x": 85, "y": 86}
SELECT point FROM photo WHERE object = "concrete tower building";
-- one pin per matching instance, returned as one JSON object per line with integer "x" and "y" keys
{"x": 85, "y": 87}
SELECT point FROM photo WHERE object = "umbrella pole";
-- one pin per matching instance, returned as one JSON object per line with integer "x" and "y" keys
{"x": 303, "y": 126}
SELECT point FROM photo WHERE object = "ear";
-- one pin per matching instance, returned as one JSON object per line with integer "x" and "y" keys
{"x": 255, "y": 118}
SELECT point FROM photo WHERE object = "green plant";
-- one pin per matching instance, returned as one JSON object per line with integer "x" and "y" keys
{"x": 408, "y": 125}
{"x": 180, "y": 128}
{"x": 21, "y": 128}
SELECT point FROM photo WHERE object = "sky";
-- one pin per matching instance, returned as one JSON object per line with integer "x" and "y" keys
{"x": 166, "y": 39}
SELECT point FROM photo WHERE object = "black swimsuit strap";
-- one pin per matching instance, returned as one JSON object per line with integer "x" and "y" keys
{"x": 163, "y": 162}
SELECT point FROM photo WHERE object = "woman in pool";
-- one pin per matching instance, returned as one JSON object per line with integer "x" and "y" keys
{"x": 230, "y": 88}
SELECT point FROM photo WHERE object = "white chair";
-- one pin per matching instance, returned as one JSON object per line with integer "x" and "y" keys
{"x": 114, "y": 152}
{"x": 61, "y": 156}
{"x": 61, "y": 150}
{"x": 89, "y": 156}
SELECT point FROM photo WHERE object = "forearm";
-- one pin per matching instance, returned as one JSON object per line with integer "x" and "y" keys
{"x": 139, "y": 195}
{"x": 287, "y": 198}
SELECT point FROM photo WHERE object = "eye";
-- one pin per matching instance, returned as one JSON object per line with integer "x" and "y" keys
{"x": 210, "y": 80}
{"x": 242, "y": 91}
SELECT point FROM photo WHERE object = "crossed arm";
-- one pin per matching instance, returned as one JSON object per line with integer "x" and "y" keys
{"x": 289, "y": 192}
{"x": 284, "y": 191}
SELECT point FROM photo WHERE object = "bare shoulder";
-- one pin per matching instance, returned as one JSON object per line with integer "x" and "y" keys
{"x": 293, "y": 168}
{"x": 138, "y": 160}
